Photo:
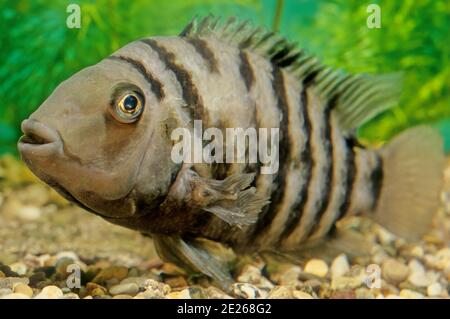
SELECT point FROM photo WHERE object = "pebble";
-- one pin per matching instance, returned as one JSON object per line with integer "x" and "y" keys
{"x": 434, "y": 290}
{"x": 417, "y": 251}
{"x": 23, "y": 289}
{"x": 94, "y": 289}
{"x": 364, "y": 293}
{"x": 245, "y": 290}
{"x": 124, "y": 289}
{"x": 19, "y": 268}
{"x": 15, "y": 296}
{"x": 140, "y": 281}
{"x": 343, "y": 294}
{"x": 297, "y": 294}
{"x": 341, "y": 283}
{"x": 5, "y": 291}
{"x": 28, "y": 212}
{"x": 384, "y": 236}
{"x": 287, "y": 275}
{"x": 316, "y": 267}
{"x": 7, "y": 272}
{"x": 70, "y": 295}
{"x": 114, "y": 272}
{"x": 9, "y": 282}
{"x": 394, "y": 271}
{"x": 67, "y": 254}
{"x": 422, "y": 279}
{"x": 153, "y": 290}
{"x": 443, "y": 258}
{"x": 183, "y": 294}
{"x": 416, "y": 266}
{"x": 250, "y": 274}
{"x": 2, "y": 275}
{"x": 215, "y": 293}
{"x": 123, "y": 297}
{"x": 281, "y": 292}
{"x": 49, "y": 292}
{"x": 339, "y": 266}
{"x": 410, "y": 294}
{"x": 176, "y": 282}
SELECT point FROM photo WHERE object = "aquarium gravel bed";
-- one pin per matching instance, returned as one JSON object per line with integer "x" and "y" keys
{"x": 45, "y": 243}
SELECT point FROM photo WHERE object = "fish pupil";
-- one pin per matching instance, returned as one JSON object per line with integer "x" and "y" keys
{"x": 130, "y": 103}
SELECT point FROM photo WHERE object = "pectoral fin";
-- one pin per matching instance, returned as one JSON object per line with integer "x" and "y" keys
{"x": 231, "y": 199}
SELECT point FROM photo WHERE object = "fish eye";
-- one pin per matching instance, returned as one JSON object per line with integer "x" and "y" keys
{"x": 129, "y": 107}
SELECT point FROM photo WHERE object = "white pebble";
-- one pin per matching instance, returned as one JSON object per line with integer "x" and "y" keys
{"x": 49, "y": 292}
{"x": 297, "y": 294}
{"x": 19, "y": 268}
{"x": 385, "y": 237}
{"x": 317, "y": 267}
{"x": 422, "y": 279}
{"x": 339, "y": 266}
{"x": 29, "y": 212}
{"x": 410, "y": 294}
{"x": 417, "y": 251}
{"x": 15, "y": 295}
{"x": 416, "y": 266}
{"x": 434, "y": 290}
{"x": 67, "y": 254}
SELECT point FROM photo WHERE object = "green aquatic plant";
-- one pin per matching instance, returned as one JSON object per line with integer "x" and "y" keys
{"x": 413, "y": 39}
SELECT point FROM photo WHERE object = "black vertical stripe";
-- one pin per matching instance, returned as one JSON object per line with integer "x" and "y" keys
{"x": 246, "y": 70}
{"x": 155, "y": 85}
{"x": 307, "y": 162}
{"x": 376, "y": 181}
{"x": 189, "y": 91}
{"x": 202, "y": 48}
{"x": 350, "y": 165}
{"x": 329, "y": 166}
{"x": 269, "y": 212}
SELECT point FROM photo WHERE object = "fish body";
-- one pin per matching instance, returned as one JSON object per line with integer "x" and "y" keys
{"x": 108, "y": 138}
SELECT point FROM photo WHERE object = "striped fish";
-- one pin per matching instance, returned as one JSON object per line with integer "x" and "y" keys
{"x": 103, "y": 140}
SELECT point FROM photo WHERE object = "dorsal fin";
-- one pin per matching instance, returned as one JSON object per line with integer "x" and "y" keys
{"x": 356, "y": 98}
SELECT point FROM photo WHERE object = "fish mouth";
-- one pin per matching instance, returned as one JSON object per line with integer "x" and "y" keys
{"x": 38, "y": 140}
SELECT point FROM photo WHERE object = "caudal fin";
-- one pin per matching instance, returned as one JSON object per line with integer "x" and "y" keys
{"x": 413, "y": 173}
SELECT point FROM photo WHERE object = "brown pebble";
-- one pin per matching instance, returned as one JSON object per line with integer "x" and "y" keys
{"x": 176, "y": 282}
{"x": 343, "y": 294}
{"x": 94, "y": 289}
{"x": 116, "y": 272}
{"x": 23, "y": 289}
{"x": 394, "y": 271}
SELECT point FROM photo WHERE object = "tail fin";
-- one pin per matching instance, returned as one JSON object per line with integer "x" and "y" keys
{"x": 413, "y": 166}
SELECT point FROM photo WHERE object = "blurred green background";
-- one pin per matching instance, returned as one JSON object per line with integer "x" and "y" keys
{"x": 38, "y": 51}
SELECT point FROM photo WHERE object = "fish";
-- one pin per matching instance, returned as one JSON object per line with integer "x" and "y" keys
{"x": 104, "y": 140}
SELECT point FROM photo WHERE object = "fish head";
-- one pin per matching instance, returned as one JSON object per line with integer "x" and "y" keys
{"x": 101, "y": 141}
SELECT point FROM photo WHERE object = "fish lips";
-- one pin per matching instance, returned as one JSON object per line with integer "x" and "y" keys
{"x": 39, "y": 142}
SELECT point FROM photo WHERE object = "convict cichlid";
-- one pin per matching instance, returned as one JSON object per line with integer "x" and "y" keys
{"x": 103, "y": 140}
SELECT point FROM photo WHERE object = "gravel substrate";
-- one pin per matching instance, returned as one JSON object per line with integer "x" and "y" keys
{"x": 45, "y": 241}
